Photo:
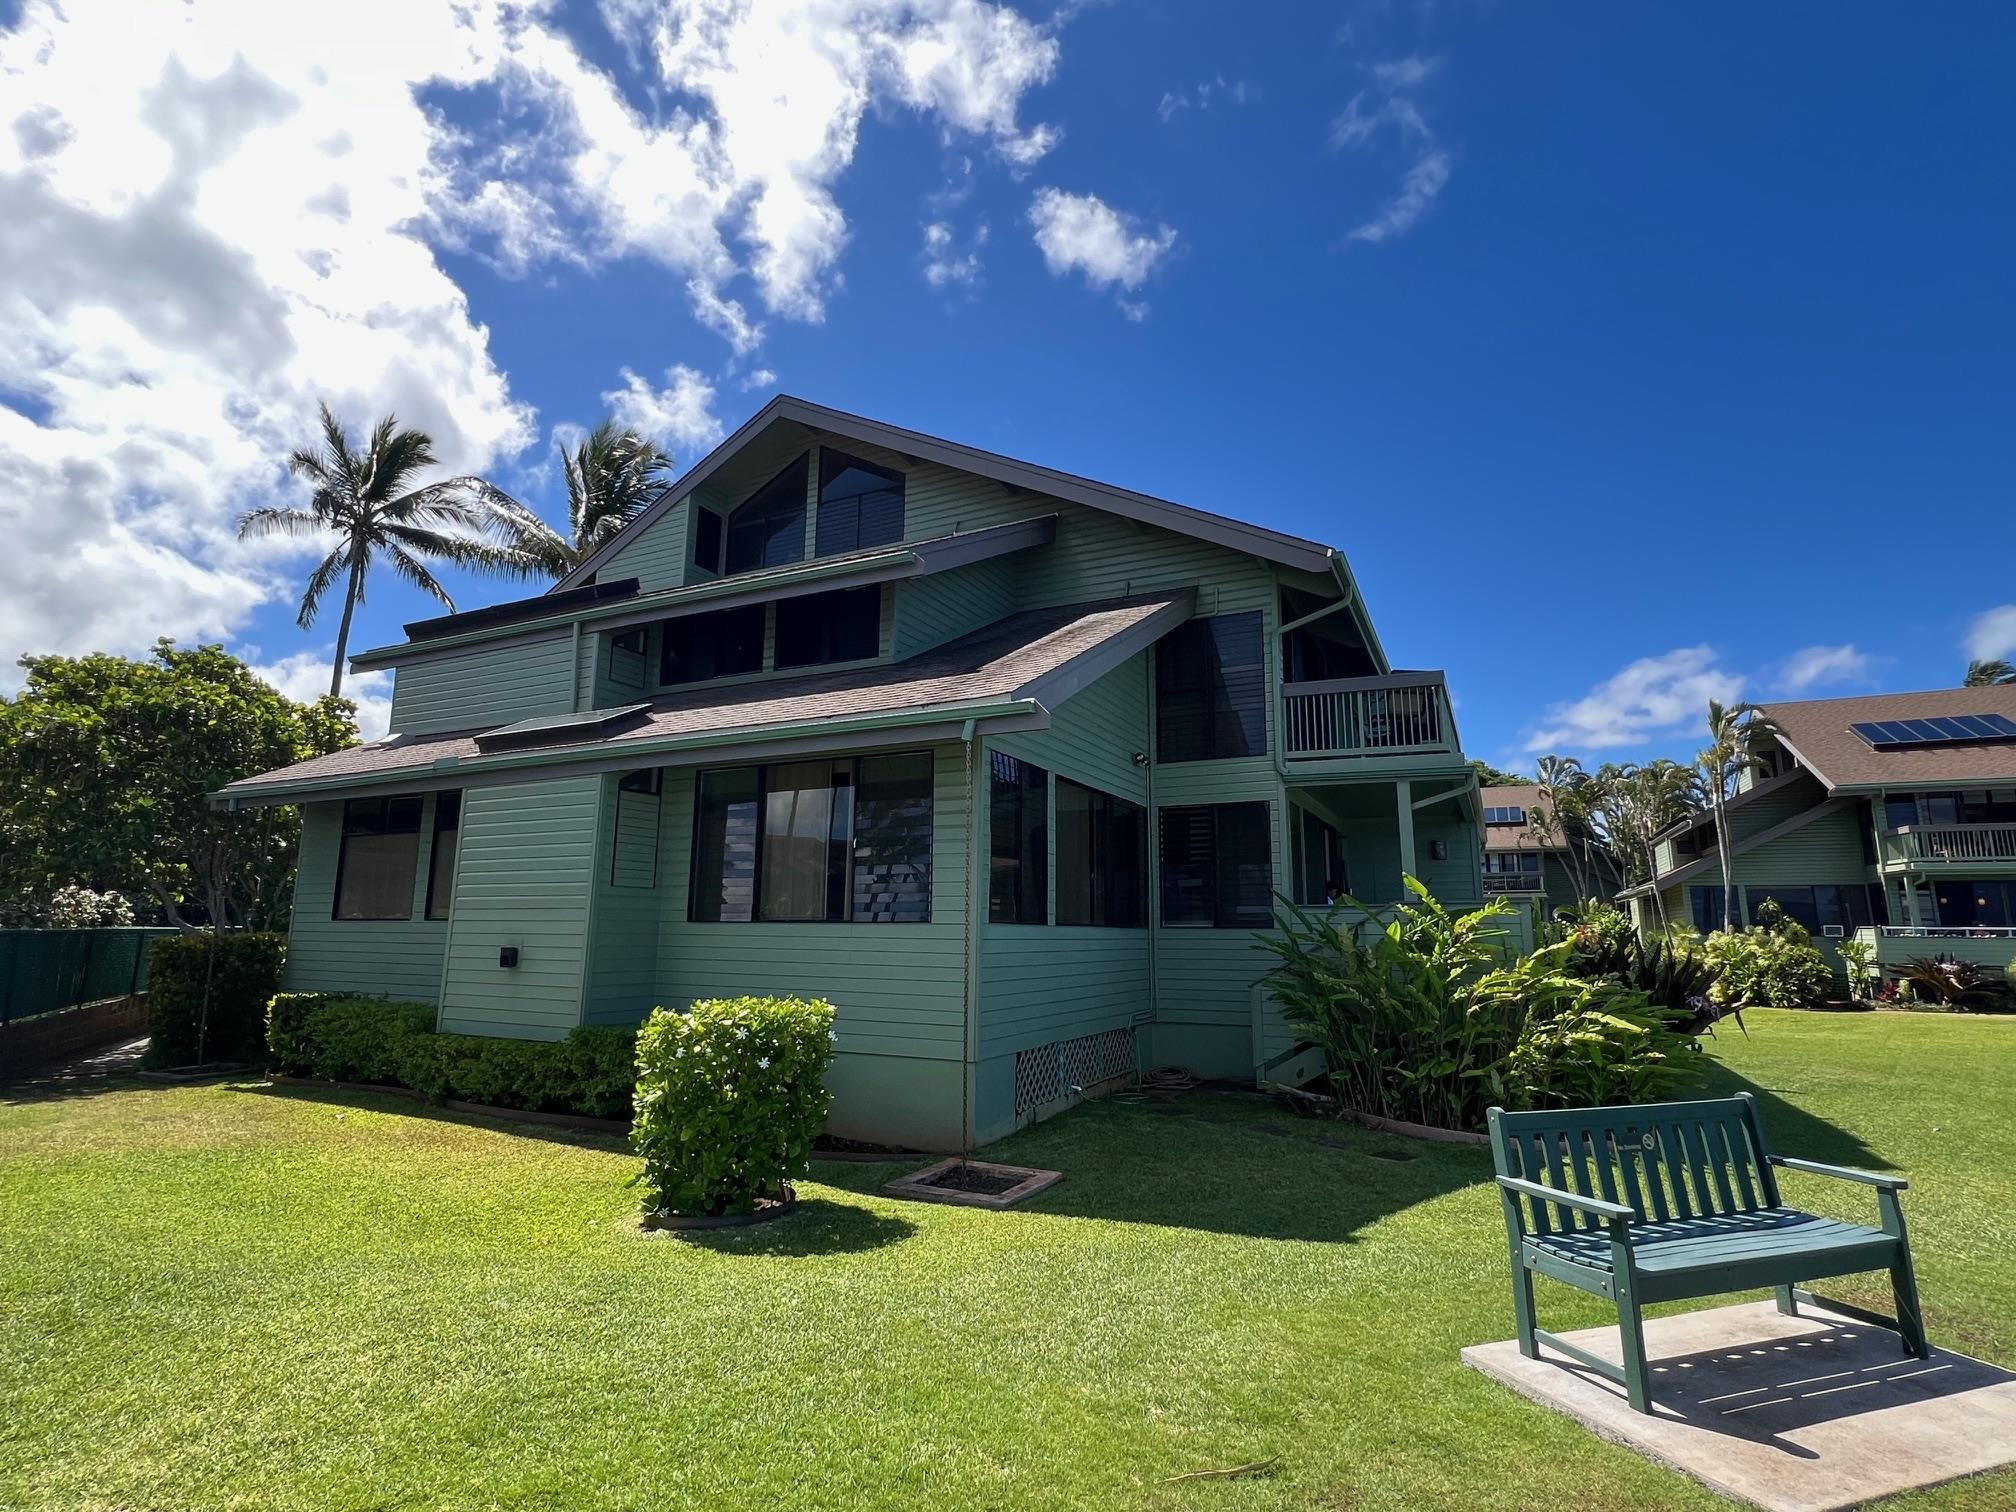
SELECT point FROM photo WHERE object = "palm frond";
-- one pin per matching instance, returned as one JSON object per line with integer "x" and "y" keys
{"x": 326, "y": 572}
{"x": 414, "y": 571}
{"x": 280, "y": 520}
{"x": 396, "y": 455}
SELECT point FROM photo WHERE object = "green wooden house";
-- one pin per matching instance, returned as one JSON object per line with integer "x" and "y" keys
{"x": 1891, "y": 817}
{"x": 1006, "y": 763}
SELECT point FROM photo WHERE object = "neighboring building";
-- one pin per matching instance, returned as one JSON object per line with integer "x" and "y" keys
{"x": 1519, "y": 864}
{"x": 1893, "y": 815}
{"x": 1008, "y": 764}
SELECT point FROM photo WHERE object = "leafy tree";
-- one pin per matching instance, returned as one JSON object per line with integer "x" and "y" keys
{"x": 1988, "y": 674}
{"x": 611, "y": 476}
{"x": 1490, "y": 776}
{"x": 105, "y": 770}
{"x": 363, "y": 498}
{"x": 1639, "y": 802}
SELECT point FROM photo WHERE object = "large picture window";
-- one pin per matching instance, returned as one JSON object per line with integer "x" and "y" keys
{"x": 1102, "y": 858}
{"x": 720, "y": 643}
{"x": 768, "y": 528}
{"x": 441, "y": 860}
{"x": 860, "y": 504}
{"x": 380, "y": 858}
{"x": 830, "y": 627}
{"x": 1217, "y": 867}
{"x": 1211, "y": 690}
{"x": 1018, "y": 824}
{"x": 815, "y": 842}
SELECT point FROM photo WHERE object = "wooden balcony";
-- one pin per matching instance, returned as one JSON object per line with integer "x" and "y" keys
{"x": 1400, "y": 714}
{"x": 1949, "y": 844}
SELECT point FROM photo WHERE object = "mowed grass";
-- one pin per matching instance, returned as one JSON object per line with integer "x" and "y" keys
{"x": 241, "y": 1296}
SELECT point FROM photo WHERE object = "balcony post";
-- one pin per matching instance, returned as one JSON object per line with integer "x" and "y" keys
{"x": 1403, "y": 790}
{"x": 1911, "y": 899}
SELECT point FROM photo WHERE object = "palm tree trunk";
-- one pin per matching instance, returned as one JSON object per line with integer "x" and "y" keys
{"x": 343, "y": 631}
{"x": 1728, "y": 861}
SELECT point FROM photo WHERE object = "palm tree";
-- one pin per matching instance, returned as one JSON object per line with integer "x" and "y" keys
{"x": 1553, "y": 819}
{"x": 1720, "y": 763}
{"x": 1641, "y": 802}
{"x": 611, "y": 475}
{"x": 1988, "y": 674}
{"x": 362, "y": 496}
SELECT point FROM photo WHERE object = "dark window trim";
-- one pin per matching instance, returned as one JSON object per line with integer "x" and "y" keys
{"x": 828, "y": 457}
{"x": 694, "y": 623}
{"x": 1143, "y": 873}
{"x": 810, "y": 604}
{"x": 762, "y": 771}
{"x": 1184, "y": 671}
{"x": 801, "y": 465}
{"x": 433, "y": 851}
{"x": 1029, "y": 870}
{"x": 1219, "y": 906}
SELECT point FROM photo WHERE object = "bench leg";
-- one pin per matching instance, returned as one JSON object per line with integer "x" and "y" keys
{"x": 1631, "y": 1334}
{"x": 1522, "y": 1309}
{"x": 1910, "y": 1320}
{"x": 1788, "y": 1304}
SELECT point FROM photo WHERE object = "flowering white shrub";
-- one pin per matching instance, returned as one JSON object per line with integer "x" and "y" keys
{"x": 730, "y": 1096}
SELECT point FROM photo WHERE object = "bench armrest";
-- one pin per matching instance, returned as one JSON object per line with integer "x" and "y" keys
{"x": 1615, "y": 1211}
{"x": 1845, "y": 1173}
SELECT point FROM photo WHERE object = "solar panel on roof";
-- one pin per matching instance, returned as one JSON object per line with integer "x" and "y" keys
{"x": 1942, "y": 729}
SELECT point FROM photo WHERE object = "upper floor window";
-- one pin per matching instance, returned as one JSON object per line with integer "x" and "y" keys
{"x": 829, "y": 627}
{"x": 379, "y": 859}
{"x": 860, "y": 504}
{"x": 1102, "y": 858}
{"x": 1511, "y": 814}
{"x": 706, "y": 538}
{"x": 1211, "y": 689}
{"x": 720, "y": 643}
{"x": 768, "y": 528}
{"x": 1018, "y": 826}
{"x": 815, "y": 842}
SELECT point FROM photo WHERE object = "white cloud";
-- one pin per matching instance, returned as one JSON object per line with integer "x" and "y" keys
{"x": 1424, "y": 180}
{"x": 195, "y": 245}
{"x": 1818, "y": 666}
{"x": 304, "y": 677}
{"x": 1175, "y": 102}
{"x": 681, "y": 414}
{"x": 1081, "y": 233}
{"x": 762, "y": 378}
{"x": 1388, "y": 108}
{"x": 1991, "y": 636}
{"x": 945, "y": 264}
{"x": 1655, "y": 695}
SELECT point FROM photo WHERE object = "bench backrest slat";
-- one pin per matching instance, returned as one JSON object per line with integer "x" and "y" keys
{"x": 1668, "y": 1161}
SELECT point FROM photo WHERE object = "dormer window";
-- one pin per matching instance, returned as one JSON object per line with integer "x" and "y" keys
{"x": 768, "y": 528}
{"x": 860, "y": 504}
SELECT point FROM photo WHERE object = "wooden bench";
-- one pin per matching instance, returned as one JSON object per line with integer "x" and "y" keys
{"x": 1673, "y": 1200}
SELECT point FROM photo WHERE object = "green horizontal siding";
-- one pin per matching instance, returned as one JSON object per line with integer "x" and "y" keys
{"x": 900, "y": 988}
{"x": 481, "y": 690}
{"x": 657, "y": 556}
{"x": 399, "y": 958}
{"x": 623, "y": 963}
{"x": 525, "y": 877}
{"x": 933, "y": 610}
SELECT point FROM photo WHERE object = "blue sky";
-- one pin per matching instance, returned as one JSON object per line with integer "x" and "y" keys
{"x": 1632, "y": 354}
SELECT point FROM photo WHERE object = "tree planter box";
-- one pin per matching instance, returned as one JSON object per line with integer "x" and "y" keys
{"x": 1013, "y": 1183}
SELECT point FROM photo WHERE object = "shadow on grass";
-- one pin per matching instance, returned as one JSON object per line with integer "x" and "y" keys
{"x": 1233, "y": 1165}
{"x": 1790, "y": 1129}
{"x": 400, "y": 1101}
{"x": 818, "y": 1227}
{"x": 110, "y": 1068}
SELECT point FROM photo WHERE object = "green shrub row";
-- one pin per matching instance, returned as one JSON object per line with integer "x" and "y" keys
{"x": 338, "y": 1037}
{"x": 730, "y": 1096}
{"x": 181, "y": 976}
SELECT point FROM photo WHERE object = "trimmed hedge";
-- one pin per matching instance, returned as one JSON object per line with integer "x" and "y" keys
{"x": 179, "y": 976}
{"x": 730, "y": 1096}
{"x": 337, "y": 1037}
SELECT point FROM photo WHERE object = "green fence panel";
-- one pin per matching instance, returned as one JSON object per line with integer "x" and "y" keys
{"x": 42, "y": 970}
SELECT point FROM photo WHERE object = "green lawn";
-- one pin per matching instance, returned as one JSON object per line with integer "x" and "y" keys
{"x": 236, "y": 1296}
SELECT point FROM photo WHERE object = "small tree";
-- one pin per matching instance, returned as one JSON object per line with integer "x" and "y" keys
{"x": 1721, "y": 764}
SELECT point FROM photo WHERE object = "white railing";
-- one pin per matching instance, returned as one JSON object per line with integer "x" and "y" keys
{"x": 1951, "y": 842}
{"x": 1367, "y": 716}
{"x": 1507, "y": 882}
{"x": 1945, "y": 932}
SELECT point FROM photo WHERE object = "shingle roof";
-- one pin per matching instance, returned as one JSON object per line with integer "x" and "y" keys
{"x": 988, "y": 666}
{"x": 1818, "y": 732}
{"x": 1513, "y": 837}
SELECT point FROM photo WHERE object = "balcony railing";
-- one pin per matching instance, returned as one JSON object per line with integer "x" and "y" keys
{"x": 1396, "y": 715}
{"x": 1951, "y": 842}
{"x": 1507, "y": 882}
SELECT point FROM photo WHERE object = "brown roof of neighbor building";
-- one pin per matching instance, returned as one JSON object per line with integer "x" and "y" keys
{"x": 988, "y": 666}
{"x": 1513, "y": 837}
{"x": 1818, "y": 733}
